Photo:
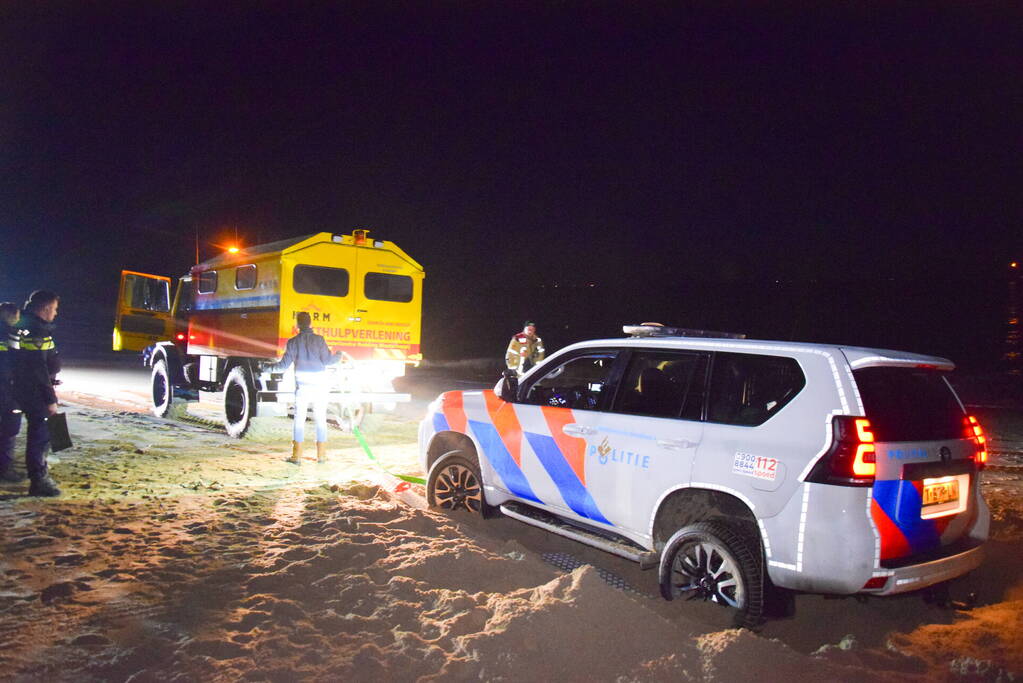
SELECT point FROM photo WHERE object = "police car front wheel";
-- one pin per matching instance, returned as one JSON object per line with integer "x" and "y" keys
{"x": 456, "y": 485}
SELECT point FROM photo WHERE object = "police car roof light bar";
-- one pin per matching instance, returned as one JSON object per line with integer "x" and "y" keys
{"x": 658, "y": 330}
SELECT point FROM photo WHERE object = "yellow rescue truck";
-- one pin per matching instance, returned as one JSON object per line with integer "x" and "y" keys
{"x": 232, "y": 314}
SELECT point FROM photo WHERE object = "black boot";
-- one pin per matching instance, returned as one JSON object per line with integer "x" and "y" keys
{"x": 11, "y": 475}
{"x": 43, "y": 486}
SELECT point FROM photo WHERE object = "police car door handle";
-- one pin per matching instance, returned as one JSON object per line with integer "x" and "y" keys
{"x": 676, "y": 444}
{"x": 575, "y": 429}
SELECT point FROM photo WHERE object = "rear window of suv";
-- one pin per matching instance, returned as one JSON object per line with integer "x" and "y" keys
{"x": 909, "y": 404}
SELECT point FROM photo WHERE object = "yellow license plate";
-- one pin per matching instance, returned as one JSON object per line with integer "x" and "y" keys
{"x": 941, "y": 492}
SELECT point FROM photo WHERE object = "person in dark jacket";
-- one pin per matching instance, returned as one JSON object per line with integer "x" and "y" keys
{"x": 10, "y": 416}
{"x": 310, "y": 355}
{"x": 35, "y": 366}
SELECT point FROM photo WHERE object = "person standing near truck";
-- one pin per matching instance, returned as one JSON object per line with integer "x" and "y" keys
{"x": 524, "y": 350}
{"x": 310, "y": 355}
{"x": 35, "y": 366}
{"x": 10, "y": 416}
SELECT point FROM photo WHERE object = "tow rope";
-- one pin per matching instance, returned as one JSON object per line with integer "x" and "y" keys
{"x": 369, "y": 454}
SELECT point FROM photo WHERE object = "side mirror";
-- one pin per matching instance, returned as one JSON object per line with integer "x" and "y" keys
{"x": 509, "y": 386}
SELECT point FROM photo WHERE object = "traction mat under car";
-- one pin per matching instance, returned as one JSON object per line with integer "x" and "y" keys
{"x": 567, "y": 563}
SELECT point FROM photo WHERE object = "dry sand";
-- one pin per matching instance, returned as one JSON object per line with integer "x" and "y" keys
{"x": 179, "y": 554}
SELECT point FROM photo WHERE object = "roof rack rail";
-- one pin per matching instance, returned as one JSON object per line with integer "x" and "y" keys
{"x": 659, "y": 330}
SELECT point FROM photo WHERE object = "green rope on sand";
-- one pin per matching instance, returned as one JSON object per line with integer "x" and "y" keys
{"x": 369, "y": 454}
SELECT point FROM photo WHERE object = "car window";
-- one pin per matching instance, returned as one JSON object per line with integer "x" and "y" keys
{"x": 909, "y": 404}
{"x": 748, "y": 389}
{"x": 186, "y": 298}
{"x": 320, "y": 280}
{"x": 207, "y": 282}
{"x": 663, "y": 384}
{"x": 245, "y": 276}
{"x": 388, "y": 287}
{"x": 577, "y": 383}
{"x": 147, "y": 294}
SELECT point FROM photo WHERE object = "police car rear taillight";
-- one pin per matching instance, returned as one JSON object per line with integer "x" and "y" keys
{"x": 875, "y": 583}
{"x": 851, "y": 460}
{"x": 976, "y": 434}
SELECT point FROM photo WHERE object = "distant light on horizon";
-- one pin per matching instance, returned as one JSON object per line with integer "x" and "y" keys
{"x": 233, "y": 250}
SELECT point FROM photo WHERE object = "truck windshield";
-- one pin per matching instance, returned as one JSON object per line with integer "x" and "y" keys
{"x": 909, "y": 404}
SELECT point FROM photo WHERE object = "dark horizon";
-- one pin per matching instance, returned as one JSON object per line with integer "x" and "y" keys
{"x": 509, "y": 146}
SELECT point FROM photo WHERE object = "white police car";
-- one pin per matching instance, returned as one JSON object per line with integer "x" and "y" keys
{"x": 733, "y": 465}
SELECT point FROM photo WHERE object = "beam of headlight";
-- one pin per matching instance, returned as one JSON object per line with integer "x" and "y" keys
{"x": 373, "y": 372}
{"x": 271, "y": 349}
{"x": 129, "y": 389}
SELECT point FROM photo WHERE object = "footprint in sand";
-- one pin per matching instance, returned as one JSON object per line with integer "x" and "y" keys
{"x": 33, "y": 542}
{"x": 91, "y": 640}
{"x": 69, "y": 560}
{"x": 58, "y": 592}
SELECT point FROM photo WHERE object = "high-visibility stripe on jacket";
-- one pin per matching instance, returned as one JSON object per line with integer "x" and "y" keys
{"x": 35, "y": 364}
{"x": 44, "y": 344}
{"x": 8, "y": 345}
{"x": 523, "y": 352}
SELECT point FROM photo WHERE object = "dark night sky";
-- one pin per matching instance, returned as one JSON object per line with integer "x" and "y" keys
{"x": 505, "y": 143}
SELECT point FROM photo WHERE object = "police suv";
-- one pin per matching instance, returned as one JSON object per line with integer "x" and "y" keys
{"x": 733, "y": 465}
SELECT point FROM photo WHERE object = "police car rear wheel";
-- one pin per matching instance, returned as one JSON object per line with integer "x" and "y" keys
{"x": 719, "y": 569}
{"x": 455, "y": 485}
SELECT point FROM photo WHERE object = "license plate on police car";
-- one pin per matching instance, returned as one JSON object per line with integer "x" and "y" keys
{"x": 940, "y": 492}
{"x": 941, "y": 496}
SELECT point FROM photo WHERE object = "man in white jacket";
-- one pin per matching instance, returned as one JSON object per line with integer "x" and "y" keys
{"x": 309, "y": 352}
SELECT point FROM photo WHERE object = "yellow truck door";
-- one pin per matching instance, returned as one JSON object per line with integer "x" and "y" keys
{"x": 388, "y": 303}
{"x": 143, "y": 311}
{"x": 318, "y": 278}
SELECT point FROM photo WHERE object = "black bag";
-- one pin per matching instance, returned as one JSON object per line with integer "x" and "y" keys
{"x": 59, "y": 436}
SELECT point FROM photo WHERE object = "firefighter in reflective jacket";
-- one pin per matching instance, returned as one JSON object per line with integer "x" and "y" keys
{"x": 35, "y": 368}
{"x": 524, "y": 350}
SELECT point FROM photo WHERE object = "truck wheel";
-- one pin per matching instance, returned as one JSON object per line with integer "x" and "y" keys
{"x": 456, "y": 485}
{"x": 239, "y": 402}
{"x": 164, "y": 403}
{"x": 719, "y": 569}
